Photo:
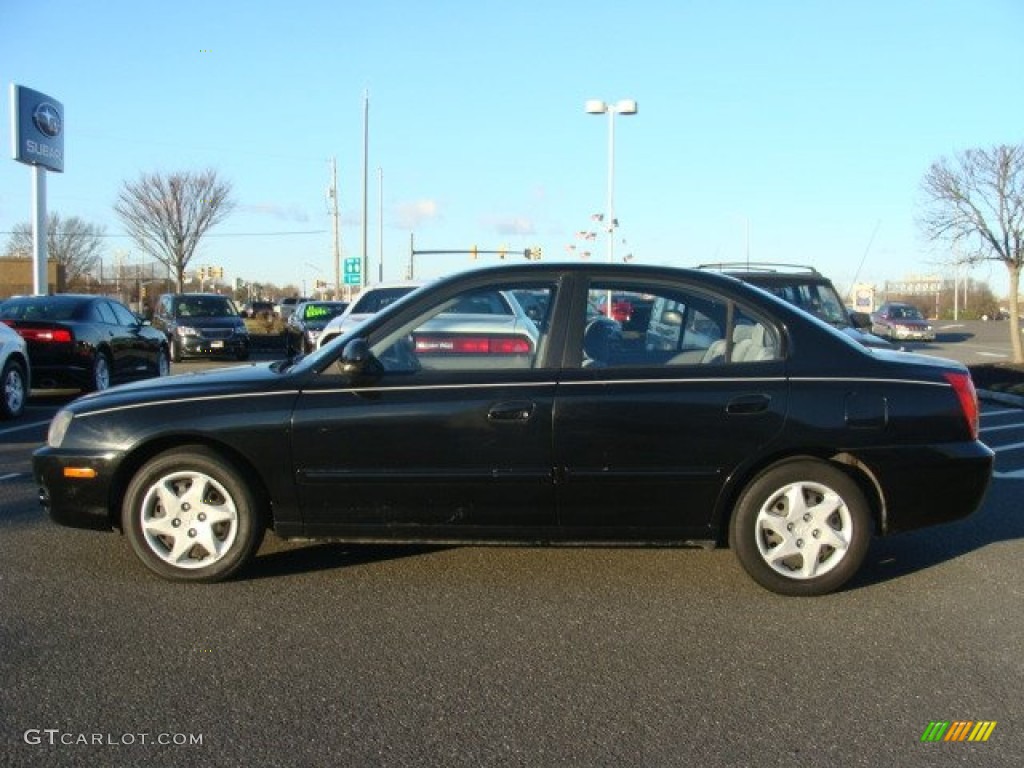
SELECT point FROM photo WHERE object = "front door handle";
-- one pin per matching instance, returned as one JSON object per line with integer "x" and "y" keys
{"x": 515, "y": 410}
{"x": 745, "y": 404}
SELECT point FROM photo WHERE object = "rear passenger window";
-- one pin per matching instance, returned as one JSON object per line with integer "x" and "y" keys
{"x": 655, "y": 326}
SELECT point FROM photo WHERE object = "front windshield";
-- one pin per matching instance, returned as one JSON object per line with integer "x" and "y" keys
{"x": 817, "y": 299}
{"x": 204, "y": 307}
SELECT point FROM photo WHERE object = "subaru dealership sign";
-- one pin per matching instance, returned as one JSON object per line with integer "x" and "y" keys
{"x": 37, "y": 128}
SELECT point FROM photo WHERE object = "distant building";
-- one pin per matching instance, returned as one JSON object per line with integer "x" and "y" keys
{"x": 17, "y": 277}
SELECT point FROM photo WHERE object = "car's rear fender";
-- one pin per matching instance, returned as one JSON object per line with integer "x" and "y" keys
{"x": 747, "y": 473}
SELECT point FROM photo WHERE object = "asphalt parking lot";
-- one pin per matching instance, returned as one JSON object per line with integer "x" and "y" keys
{"x": 325, "y": 654}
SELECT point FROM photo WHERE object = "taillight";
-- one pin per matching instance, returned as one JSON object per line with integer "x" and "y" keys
{"x": 46, "y": 335}
{"x": 472, "y": 345}
{"x": 968, "y": 396}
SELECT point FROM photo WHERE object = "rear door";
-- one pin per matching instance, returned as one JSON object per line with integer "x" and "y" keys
{"x": 649, "y": 425}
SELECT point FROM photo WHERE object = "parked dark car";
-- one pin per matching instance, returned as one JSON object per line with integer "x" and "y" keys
{"x": 261, "y": 309}
{"x": 898, "y": 321}
{"x": 201, "y": 325}
{"x": 793, "y": 443}
{"x": 307, "y": 321}
{"x": 807, "y": 288}
{"x": 85, "y": 342}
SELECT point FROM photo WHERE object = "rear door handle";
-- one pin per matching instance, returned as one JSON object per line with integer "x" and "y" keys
{"x": 745, "y": 404}
{"x": 515, "y": 410}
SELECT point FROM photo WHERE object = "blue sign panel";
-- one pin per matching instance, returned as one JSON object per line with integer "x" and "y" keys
{"x": 37, "y": 128}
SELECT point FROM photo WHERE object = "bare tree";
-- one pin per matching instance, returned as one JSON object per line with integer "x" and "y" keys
{"x": 168, "y": 215}
{"x": 977, "y": 202}
{"x": 72, "y": 242}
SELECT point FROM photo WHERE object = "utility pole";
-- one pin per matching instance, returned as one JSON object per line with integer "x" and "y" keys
{"x": 366, "y": 158}
{"x": 333, "y": 194}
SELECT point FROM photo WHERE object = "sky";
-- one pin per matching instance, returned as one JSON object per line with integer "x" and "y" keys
{"x": 788, "y": 131}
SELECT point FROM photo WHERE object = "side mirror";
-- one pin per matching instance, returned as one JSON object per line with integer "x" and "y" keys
{"x": 357, "y": 361}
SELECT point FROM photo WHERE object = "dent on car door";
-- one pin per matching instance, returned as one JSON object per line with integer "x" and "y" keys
{"x": 645, "y": 439}
{"x": 457, "y": 443}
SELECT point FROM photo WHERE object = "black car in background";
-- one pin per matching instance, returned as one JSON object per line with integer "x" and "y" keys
{"x": 742, "y": 420}
{"x": 307, "y": 322}
{"x": 85, "y": 342}
{"x": 201, "y": 325}
{"x": 807, "y": 288}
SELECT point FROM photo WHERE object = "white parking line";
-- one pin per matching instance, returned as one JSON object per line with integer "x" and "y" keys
{"x": 986, "y": 430}
{"x": 13, "y": 476}
{"x": 1017, "y": 474}
{"x": 1010, "y": 447}
{"x": 33, "y": 425}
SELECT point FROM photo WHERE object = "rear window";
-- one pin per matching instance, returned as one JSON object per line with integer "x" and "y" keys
{"x": 41, "y": 308}
{"x": 375, "y": 300}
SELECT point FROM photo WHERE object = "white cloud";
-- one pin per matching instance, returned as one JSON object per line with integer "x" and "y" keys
{"x": 412, "y": 214}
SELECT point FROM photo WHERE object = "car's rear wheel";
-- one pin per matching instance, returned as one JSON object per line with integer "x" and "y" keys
{"x": 100, "y": 379}
{"x": 163, "y": 363}
{"x": 190, "y": 516}
{"x": 801, "y": 528}
{"x": 176, "y": 355}
{"x": 15, "y": 390}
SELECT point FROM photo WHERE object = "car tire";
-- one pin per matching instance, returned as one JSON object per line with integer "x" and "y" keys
{"x": 176, "y": 356}
{"x": 14, "y": 388}
{"x": 191, "y": 516}
{"x": 801, "y": 528}
{"x": 163, "y": 363}
{"x": 99, "y": 378}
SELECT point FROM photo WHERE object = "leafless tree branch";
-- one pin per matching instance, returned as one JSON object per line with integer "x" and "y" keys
{"x": 167, "y": 215}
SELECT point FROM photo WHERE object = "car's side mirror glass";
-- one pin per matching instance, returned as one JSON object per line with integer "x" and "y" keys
{"x": 358, "y": 361}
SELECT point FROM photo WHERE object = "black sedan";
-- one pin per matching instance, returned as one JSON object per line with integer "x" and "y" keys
{"x": 741, "y": 420}
{"x": 85, "y": 342}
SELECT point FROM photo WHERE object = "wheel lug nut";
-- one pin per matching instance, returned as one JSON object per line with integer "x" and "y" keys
{"x": 799, "y": 542}
{"x": 202, "y": 517}
{"x": 807, "y": 518}
{"x": 816, "y": 533}
{"x": 192, "y": 533}
{"x": 176, "y": 523}
{"x": 186, "y": 507}
{"x": 789, "y": 527}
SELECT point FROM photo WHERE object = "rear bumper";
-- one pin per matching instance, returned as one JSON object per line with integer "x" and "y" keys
{"x": 929, "y": 485}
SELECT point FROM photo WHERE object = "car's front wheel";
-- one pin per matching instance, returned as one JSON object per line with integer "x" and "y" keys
{"x": 15, "y": 390}
{"x": 801, "y": 528}
{"x": 191, "y": 516}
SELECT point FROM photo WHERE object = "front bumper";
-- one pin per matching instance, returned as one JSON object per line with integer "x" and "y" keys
{"x": 76, "y": 502}
{"x": 200, "y": 346}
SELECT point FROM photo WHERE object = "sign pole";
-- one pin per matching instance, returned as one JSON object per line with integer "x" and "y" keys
{"x": 40, "y": 286}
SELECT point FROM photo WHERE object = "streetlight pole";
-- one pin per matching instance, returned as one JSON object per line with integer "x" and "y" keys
{"x": 621, "y": 107}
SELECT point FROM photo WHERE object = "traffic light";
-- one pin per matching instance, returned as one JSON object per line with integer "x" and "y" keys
{"x": 501, "y": 252}
{"x": 219, "y": 271}
{"x": 532, "y": 254}
{"x": 239, "y": 283}
{"x": 473, "y": 253}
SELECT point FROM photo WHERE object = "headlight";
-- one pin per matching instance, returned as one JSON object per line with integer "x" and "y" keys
{"x": 185, "y": 330}
{"x": 58, "y": 428}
